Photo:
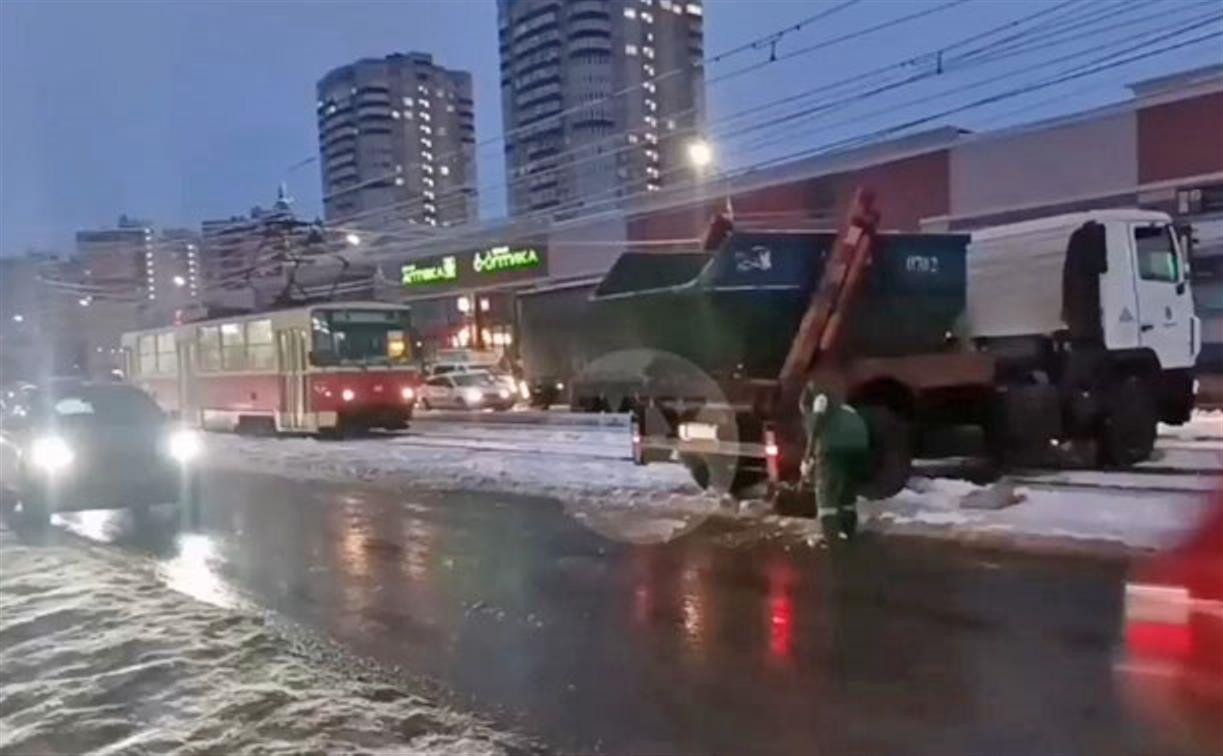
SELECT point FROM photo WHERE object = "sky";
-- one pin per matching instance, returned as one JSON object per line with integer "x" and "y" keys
{"x": 179, "y": 111}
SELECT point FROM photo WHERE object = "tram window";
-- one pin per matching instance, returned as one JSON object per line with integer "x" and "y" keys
{"x": 148, "y": 355}
{"x": 167, "y": 358}
{"x": 210, "y": 348}
{"x": 233, "y": 347}
{"x": 260, "y": 351}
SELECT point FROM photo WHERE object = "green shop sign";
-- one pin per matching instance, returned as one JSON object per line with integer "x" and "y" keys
{"x": 422, "y": 272}
{"x": 500, "y": 259}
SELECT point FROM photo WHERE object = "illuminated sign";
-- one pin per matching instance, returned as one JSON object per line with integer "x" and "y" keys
{"x": 422, "y": 272}
{"x": 500, "y": 259}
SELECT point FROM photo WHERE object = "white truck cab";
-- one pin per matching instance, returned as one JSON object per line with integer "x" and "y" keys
{"x": 1017, "y": 282}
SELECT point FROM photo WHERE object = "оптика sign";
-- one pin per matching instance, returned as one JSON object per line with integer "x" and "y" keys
{"x": 500, "y": 259}
{"x": 444, "y": 270}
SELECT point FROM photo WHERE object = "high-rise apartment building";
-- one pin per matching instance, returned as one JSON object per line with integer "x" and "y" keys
{"x": 600, "y": 99}
{"x": 397, "y": 143}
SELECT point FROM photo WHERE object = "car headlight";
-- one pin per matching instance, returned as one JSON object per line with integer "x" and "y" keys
{"x": 51, "y": 454}
{"x": 473, "y": 396}
{"x": 185, "y": 445}
{"x": 407, "y": 393}
{"x": 560, "y": 386}
{"x": 504, "y": 393}
{"x": 524, "y": 390}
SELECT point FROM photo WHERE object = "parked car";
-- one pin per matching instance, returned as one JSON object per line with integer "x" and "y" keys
{"x": 463, "y": 390}
{"x": 79, "y": 445}
{"x": 1173, "y": 656}
{"x": 513, "y": 385}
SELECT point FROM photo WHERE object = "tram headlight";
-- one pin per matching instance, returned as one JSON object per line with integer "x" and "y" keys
{"x": 348, "y": 395}
{"x": 407, "y": 393}
{"x": 473, "y": 396}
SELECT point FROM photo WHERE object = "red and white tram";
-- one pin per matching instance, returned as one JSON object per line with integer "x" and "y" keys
{"x": 326, "y": 367}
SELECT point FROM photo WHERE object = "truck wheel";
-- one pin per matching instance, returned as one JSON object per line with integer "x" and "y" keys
{"x": 891, "y": 452}
{"x": 1127, "y": 432}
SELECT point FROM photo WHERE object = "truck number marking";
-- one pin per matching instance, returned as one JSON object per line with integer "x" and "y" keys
{"x": 921, "y": 264}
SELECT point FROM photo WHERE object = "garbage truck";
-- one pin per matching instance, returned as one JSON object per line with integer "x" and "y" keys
{"x": 1066, "y": 336}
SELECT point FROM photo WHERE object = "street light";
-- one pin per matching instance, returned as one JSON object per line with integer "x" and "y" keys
{"x": 352, "y": 239}
{"x": 19, "y": 318}
{"x": 83, "y": 301}
{"x": 700, "y": 153}
{"x": 180, "y": 282}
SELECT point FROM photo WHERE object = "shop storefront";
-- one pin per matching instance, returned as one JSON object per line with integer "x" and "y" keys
{"x": 466, "y": 300}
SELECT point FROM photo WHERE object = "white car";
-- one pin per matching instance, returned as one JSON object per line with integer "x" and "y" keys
{"x": 463, "y": 390}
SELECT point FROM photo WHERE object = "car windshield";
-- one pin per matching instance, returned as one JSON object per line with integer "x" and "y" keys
{"x": 359, "y": 336}
{"x": 101, "y": 406}
{"x": 472, "y": 379}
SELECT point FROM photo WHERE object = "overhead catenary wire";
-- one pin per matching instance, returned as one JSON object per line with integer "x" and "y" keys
{"x": 876, "y": 136}
{"x": 950, "y": 63}
{"x": 1075, "y": 55}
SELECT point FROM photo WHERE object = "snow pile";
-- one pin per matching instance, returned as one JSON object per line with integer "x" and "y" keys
{"x": 1132, "y": 517}
{"x": 98, "y": 656}
{"x": 572, "y": 472}
{"x": 1204, "y": 424}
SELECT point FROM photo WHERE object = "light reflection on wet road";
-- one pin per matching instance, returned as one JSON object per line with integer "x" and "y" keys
{"x": 684, "y": 647}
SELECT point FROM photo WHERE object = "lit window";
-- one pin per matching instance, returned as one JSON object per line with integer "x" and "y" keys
{"x": 628, "y": 13}
{"x": 408, "y": 101}
{"x": 426, "y": 143}
{"x": 649, "y": 36}
{"x": 399, "y": 181}
{"x": 426, "y": 129}
{"x": 650, "y": 86}
{"x": 664, "y": 4}
{"x": 425, "y": 103}
{"x": 695, "y": 9}
{"x": 407, "y": 114}
{"x": 632, "y": 139}
{"x": 395, "y": 114}
{"x": 648, "y": 69}
{"x": 427, "y": 181}
{"x": 449, "y": 108}
{"x": 424, "y": 116}
{"x": 647, "y": 17}
{"x": 430, "y": 208}
{"x": 648, "y": 52}
{"x": 426, "y": 155}
{"x": 651, "y": 137}
{"x": 670, "y": 124}
{"x": 429, "y": 195}
{"x": 427, "y": 168}
{"x": 647, "y": 2}
{"x": 445, "y": 170}
{"x": 630, "y": 49}
{"x": 677, "y": 9}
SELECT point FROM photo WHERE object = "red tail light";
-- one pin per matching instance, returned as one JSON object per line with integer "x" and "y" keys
{"x": 772, "y": 455}
{"x": 1158, "y": 622}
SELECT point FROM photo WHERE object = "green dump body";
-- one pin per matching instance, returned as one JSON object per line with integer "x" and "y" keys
{"x": 736, "y": 310}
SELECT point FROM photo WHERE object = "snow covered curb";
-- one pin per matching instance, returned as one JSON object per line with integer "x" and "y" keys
{"x": 588, "y": 470}
{"x": 97, "y": 655}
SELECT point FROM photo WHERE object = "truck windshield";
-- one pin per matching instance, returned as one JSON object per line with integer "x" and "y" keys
{"x": 364, "y": 337}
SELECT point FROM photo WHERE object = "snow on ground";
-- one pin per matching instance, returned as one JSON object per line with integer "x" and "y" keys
{"x": 100, "y": 656}
{"x": 1205, "y": 424}
{"x": 586, "y": 465}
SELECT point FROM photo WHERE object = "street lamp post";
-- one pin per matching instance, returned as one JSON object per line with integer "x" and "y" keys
{"x": 700, "y": 157}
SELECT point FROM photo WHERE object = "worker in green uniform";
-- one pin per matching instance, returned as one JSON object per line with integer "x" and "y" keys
{"x": 837, "y": 460}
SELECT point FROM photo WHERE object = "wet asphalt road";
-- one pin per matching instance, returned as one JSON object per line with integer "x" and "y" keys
{"x": 694, "y": 646}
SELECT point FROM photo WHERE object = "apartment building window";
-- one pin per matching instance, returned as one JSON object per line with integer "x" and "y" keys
{"x": 695, "y": 9}
{"x": 630, "y": 13}
{"x": 630, "y": 49}
{"x": 444, "y": 170}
